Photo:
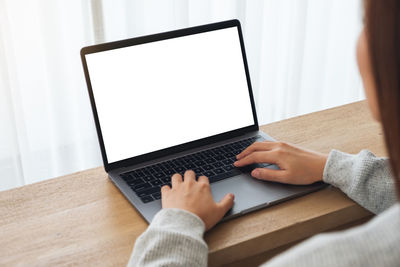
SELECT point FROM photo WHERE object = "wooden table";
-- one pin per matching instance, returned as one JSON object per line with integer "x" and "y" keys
{"x": 83, "y": 219}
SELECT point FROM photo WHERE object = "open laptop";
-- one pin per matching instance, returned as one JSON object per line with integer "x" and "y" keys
{"x": 174, "y": 101}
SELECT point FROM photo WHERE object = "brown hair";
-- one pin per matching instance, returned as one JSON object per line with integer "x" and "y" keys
{"x": 382, "y": 21}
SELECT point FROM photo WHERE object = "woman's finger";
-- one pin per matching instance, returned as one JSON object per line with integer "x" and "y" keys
{"x": 189, "y": 177}
{"x": 257, "y": 157}
{"x": 204, "y": 179}
{"x": 176, "y": 179}
{"x": 165, "y": 189}
{"x": 225, "y": 204}
{"x": 264, "y": 146}
{"x": 270, "y": 175}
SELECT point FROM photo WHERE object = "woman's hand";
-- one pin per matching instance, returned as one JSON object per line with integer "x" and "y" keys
{"x": 297, "y": 165}
{"x": 195, "y": 197}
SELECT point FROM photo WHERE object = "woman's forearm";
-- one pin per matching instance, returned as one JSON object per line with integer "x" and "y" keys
{"x": 174, "y": 238}
{"x": 364, "y": 177}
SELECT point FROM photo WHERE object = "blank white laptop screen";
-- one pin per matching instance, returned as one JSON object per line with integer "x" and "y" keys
{"x": 161, "y": 94}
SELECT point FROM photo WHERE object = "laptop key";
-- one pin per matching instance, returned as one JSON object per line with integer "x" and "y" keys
{"x": 229, "y": 155}
{"x": 208, "y": 173}
{"x": 156, "y": 182}
{"x": 169, "y": 162}
{"x": 227, "y": 161}
{"x": 197, "y": 157}
{"x": 126, "y": 175}
{"x": 184, "y": 162}
{"x": 140, "y": 187}
{"x": 136, "y": 174}
{"x": 210, "y": 160}
{"x": 148, "y": 178}
{"x": 190, "y": 166}
{"x": 198, "y": 170}
{"x": 151, "y": 170}
{"x": 166, "y": 180}
{"x": 199, "y": 163}
{"x": 219, "y": 157}
{"x": 169, "y": 166}
{"x": 157, "y": 196}
{"x": 218, "y": 164}
{"x": 128, "y": 178}
{"x": 135, "y": 182}
{"x": 156, "y": 169}
{"x": 132, "y": 183}
{"x": 228, "y": 167}
{"x": 228, "y": 149}
{"x": 179, "y": 169}
{"x": 139, "y": 174}
{"x": 146, "y": 199}
{"x": 236, "y": 152}
{"x": 162, "y": 167}
{"x": 219, "y": 170}
{"x": 209, "y": 154}
{"x": 218, "y": 151}
{"x": 169, "y": 172}
{"x": 159, "y": 175}
{"x": 148, "y": 191}
{"x": 201, "y": 156}
{"x": 191, "y": 159}
{"x": 208, "y": 167}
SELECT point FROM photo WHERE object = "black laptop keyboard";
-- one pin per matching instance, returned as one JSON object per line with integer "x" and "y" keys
{"x": 215, "y": 163}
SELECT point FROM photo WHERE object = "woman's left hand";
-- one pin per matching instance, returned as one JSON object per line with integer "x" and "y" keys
{"x": 195, "y": 197}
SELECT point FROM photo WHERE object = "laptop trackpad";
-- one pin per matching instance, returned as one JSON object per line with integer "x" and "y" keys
{"x": 251, "y": 194}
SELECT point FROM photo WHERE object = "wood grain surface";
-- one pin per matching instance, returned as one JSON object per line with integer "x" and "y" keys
{"x": 82, "y": 219}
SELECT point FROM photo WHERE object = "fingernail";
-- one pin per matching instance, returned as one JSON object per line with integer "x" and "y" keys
{"x": 231, "y": 195}
{"x": 256, "y": 173}
{"x": 235, "y": 163}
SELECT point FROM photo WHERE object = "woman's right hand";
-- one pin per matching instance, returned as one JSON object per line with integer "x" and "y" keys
{"x": 297, "y": 165}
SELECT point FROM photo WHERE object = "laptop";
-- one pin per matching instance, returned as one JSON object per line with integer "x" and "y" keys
{"x": 174, "y": 101}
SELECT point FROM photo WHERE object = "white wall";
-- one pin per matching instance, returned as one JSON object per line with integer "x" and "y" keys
{"x": 301, "y": 56}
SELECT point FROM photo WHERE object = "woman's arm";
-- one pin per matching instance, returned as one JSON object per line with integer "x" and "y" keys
{"x": 174, "y": 238}
{"x": 364, "y": 177}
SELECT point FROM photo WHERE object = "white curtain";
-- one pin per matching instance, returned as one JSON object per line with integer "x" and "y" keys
{"x": 301, "y": 57}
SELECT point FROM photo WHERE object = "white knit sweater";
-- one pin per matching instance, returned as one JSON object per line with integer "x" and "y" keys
{"x": 175, "y": 237}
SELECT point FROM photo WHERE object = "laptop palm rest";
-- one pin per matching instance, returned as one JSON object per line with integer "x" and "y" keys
{"x": 252, "y": 194}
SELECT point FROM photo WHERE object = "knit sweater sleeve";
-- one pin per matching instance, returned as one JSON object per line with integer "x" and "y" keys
{"x": 372, "y": 244}
{"x": 364, "y": 177}
{"x": 174, "y": 238}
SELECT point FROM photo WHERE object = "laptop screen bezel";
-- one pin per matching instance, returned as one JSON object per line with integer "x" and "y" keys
{"x": 159, "y": 37}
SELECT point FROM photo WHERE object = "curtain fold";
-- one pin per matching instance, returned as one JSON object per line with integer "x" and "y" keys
{"x": 301, "y": 56}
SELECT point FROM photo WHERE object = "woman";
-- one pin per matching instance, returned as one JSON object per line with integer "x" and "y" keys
{"x": 175, "y": 237}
